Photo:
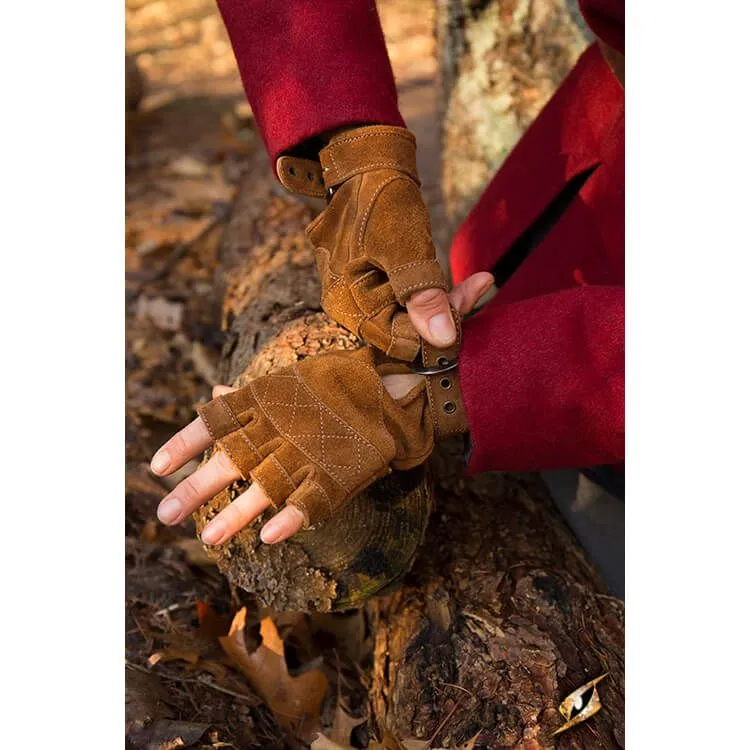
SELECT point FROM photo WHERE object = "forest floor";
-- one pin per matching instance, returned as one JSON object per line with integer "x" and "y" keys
{"x": 187, "y": 146}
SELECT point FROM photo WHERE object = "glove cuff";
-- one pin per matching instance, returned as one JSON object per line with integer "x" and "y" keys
{"x": 347, "y": 154}
{"x": 365, "y": 149}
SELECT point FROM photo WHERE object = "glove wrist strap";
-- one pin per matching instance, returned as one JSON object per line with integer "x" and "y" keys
{"x": 440, "y": 368}
{"x": 365, "y": 149}
{"x": 347, "y": 154}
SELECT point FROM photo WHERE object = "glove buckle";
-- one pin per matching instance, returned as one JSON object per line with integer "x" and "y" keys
{"x": 443, "y": 365}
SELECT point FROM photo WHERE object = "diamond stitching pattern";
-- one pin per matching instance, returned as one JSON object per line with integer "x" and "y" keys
{"x": 304, "y": 420}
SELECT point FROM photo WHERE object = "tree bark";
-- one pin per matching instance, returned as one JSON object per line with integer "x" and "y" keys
{"x": 500, "y": 619}
{"x": 499, "y": 61}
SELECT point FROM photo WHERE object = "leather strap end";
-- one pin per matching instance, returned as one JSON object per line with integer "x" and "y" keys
{"x": 299, "y": 175}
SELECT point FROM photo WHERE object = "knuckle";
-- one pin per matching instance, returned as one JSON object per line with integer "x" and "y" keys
{"x": 233, "y": 517}
{"x": 190, "y": 489}
{"x": 180, "y": 444}
{"x": 428, "y": 301}
{"x": 224, "y": 464}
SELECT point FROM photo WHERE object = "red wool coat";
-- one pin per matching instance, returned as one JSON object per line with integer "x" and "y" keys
{"x": 542, "y": 365}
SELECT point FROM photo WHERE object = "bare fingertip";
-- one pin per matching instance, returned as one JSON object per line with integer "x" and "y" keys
{"x": 160, "y": 462}
{"x": 442, "y": 329}
{"x": 270, "y": 534}
{"x": 213, "y": 533}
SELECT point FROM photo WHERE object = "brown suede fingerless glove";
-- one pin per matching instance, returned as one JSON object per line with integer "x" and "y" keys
{"x": 373, "y": 243}
{"x": 318, "y": 432}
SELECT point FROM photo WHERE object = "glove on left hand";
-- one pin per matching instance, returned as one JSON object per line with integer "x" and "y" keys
{"x": 318, "y": 432}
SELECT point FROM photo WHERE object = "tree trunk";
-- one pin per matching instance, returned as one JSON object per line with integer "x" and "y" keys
{"x": 499, "y": 61}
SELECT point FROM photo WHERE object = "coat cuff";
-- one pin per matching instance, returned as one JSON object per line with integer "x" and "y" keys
{"x": 310, "y": 67}
{"x": 543, "y": 381}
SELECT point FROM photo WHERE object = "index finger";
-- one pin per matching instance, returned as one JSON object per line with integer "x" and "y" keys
{"x": 189, "y": 442}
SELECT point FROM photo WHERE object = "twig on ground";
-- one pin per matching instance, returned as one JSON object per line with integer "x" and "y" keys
{"x": 205, "y": 682}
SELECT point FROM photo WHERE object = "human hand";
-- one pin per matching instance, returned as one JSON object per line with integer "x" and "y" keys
{"x": 407, "y": 416}
{"x": 373, "y": 243}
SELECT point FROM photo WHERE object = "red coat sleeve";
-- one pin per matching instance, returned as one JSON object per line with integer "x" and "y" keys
{"x": 543, "y": 381}
{"x": 309, "y": 66}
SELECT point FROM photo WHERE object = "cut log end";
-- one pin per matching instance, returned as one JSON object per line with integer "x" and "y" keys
{"x": 340, "y": 563}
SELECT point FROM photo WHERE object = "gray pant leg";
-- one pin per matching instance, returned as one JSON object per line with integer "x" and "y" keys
{"x": 598, "y": 521}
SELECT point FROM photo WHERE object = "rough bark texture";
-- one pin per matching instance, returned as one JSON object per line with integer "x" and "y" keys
{"x": 499, "y": 62}
{"x": 270, "y": 310}
{"x": 500, "y": 619}
{"x": 502, "y": 615}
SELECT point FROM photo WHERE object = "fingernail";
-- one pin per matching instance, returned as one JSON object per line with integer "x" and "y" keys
{"x": 442, "y": 328}
{"x": 169, "y": 510}
{"x": 159, "y": 462}
{"x": 213, "y": 532}
{"x": 270, "y": 533}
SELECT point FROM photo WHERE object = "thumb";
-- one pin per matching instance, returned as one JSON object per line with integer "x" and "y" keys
{"x": 430, "y": 313}
{"x": 465, "y": 295}
{"x": 221, "y": 390}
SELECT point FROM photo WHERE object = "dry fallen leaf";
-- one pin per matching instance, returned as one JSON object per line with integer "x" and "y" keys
{"x": 165, "y": 315}
{"x": 295, "y": 701}
{"x": 389, "y": 742}
{"x": 470, "y": 744}
{"x": 211, "y": 626}
{"x": 173, "y": 654}
{"x": 321, "y": 742}
{"x": 341, "y": 732}
{"x": 187, "y": 166}
{"x": 343, "y": 725}
{"x": 165, "y": 734}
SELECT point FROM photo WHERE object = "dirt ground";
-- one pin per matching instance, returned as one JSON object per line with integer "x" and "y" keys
{"x": 187, "y": 143}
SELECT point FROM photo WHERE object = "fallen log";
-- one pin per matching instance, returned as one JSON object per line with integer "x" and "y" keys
{"x": 500, "y": 617}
